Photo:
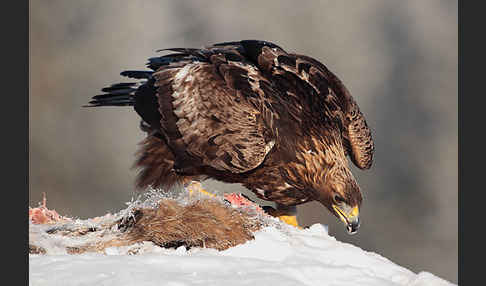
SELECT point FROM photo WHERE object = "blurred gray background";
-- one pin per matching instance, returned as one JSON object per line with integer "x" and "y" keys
{"x": 398, "y": 59}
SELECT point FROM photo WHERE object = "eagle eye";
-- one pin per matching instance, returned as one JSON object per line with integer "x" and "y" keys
{"x": 338, "y": 199}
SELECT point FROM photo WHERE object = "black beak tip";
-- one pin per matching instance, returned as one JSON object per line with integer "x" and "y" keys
{"x": 353, "y": 227}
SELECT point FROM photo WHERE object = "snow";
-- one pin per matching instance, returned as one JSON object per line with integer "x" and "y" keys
{"x": 279, "y": 254}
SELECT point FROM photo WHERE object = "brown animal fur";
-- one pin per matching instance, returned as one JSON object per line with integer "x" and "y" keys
{"x": 205, "y": 223}
{"x": 33, "y": 249}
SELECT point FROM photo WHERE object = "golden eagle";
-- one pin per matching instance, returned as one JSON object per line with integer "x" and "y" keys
{"x": 248, "y": 112}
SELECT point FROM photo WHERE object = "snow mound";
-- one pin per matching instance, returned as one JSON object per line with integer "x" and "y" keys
{"x": 278, "y": 254}
{"x": 286, "y": 256}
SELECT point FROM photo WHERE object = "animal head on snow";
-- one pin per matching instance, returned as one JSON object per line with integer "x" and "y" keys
{"x": 249, "y": 112}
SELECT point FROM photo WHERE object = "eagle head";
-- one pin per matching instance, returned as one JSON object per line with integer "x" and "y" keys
{"x": 341, "y": 194}
{"x": 322, "y": 170}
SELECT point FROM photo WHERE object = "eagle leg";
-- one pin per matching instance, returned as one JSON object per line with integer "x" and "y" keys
{"x": 287, "y": 214}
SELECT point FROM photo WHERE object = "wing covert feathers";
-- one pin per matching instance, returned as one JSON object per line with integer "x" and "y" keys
{"x": 215, "y": 120}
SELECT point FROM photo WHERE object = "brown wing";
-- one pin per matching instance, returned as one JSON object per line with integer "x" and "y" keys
{"x": 356, "y": 134}
{"x": 339, "y": 104}
{"x": 210, "y": 111}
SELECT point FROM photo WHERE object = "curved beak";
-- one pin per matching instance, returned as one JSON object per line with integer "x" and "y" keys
{"x": 349, "y": 215}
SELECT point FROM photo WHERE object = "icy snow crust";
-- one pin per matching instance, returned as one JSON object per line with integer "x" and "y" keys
{"x": 280, "y": 255}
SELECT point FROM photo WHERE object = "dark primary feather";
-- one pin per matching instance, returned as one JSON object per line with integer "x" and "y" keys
{"x": 245, "y": 112}
{"x": 137, "y": 74}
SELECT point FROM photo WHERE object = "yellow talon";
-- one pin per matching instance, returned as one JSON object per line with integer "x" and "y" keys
{"x": 203, "y": 191}
{"x": 287, "y": 214}
{"x": 290, "y": 219}
{"x": 197, "y": 187}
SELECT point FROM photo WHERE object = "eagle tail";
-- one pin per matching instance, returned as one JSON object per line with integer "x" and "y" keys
{"x": 120, "y": 94}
